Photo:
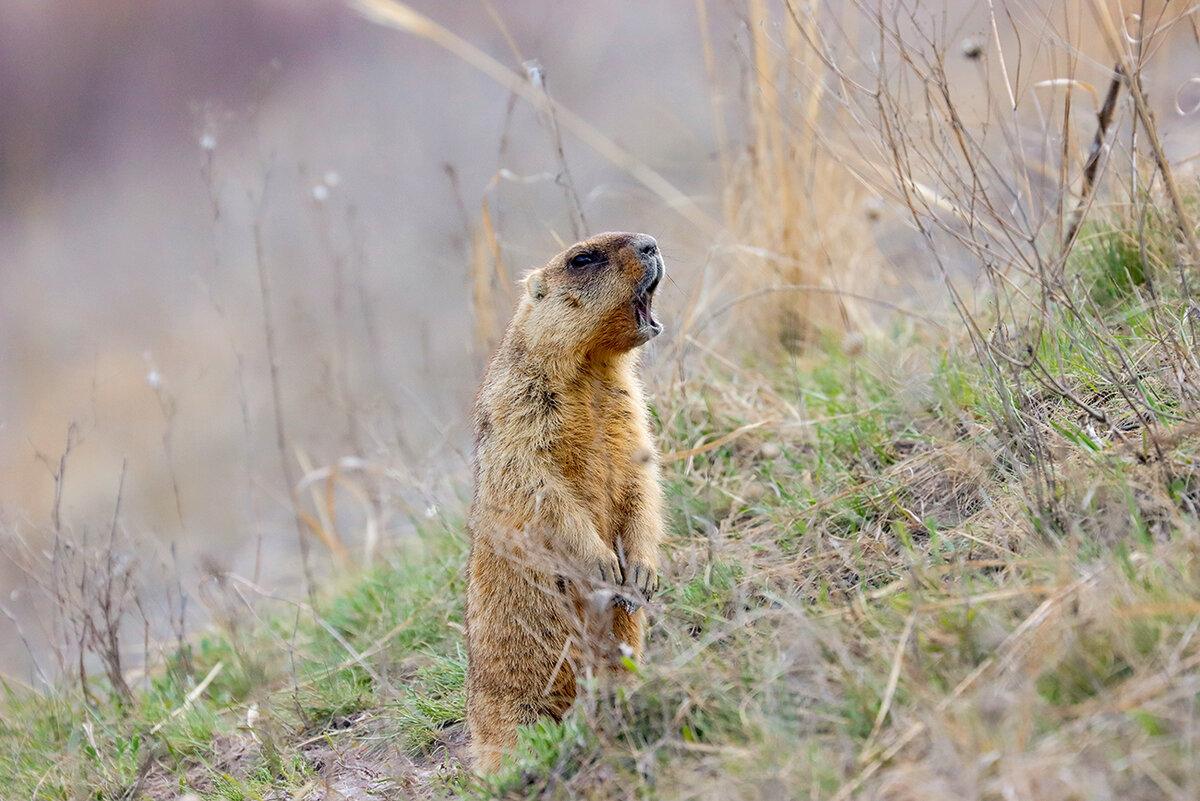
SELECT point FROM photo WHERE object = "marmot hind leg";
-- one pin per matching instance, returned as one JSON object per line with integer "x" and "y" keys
{"x": 628, "y": 630}
{"x": 493, "y": 721}
{"x": 493, "y": 716}
{"x": 608, "y": 632}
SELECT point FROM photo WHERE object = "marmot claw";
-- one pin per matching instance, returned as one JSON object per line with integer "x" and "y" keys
{"x": 621, "y": 602}
{"x": 608, "y": 569}
{"x": 644, "y": 579}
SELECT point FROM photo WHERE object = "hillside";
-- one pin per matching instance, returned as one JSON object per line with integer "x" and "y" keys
{"x": 888, "y": 574}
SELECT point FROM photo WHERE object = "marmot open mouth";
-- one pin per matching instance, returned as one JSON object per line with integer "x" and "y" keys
{"x": 644, "y": 314}
{"x": 643, "y": 310}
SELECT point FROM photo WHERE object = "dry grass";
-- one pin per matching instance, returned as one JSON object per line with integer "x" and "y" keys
{"x": 794, "y": 210}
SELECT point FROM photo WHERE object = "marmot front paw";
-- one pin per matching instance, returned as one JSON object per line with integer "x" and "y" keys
{"x": 643, "y": 577}
{"x": 607, "y": 567}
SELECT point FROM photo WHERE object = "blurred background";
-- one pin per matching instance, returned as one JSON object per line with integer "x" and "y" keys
{"x": 193, "y": 194}
{"x": 158, "y": 160}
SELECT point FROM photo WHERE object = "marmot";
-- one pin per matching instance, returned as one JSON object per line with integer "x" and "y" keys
{"x": 567, "y": 511}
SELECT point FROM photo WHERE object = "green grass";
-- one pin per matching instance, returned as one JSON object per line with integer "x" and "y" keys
{"x": 917, "y": 562}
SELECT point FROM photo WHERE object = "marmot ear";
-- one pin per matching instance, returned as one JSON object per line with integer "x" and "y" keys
{"x": 535, "y": 284}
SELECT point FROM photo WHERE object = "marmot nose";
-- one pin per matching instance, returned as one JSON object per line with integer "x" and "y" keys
{"x": 647, "y": 246}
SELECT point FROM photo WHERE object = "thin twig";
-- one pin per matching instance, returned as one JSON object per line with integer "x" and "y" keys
{"x": 281, "y": 439}
{"x": 537, "y": 76}
{"x": 823, "y": 290}
{"x": 1103, "y": 120}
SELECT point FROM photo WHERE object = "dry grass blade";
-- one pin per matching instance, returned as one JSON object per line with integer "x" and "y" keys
{"x": 893, "y": 680}
{"x": 191, "y": 697}
{"x": 402, "y": 17}
{"x": 722, "y": 137}
{"x": 324, "y": 526}
{"x": 696, "y": 450}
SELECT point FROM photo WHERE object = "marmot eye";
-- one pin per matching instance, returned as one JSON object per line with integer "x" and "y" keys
{"x": 582, "y": 259}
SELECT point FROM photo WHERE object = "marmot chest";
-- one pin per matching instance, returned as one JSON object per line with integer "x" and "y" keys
{"x": 596, "y": 451}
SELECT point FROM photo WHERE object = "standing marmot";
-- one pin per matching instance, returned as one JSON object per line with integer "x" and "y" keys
{"x": 567, "y": 500}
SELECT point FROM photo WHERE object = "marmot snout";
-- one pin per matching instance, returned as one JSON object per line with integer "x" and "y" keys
{"x": 567, "y": 505}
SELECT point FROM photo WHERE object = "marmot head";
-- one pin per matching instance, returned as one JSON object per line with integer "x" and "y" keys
{"x": 597, "y": 295}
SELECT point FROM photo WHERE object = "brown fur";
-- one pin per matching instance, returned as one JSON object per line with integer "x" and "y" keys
{"x": 567, "y": 508}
